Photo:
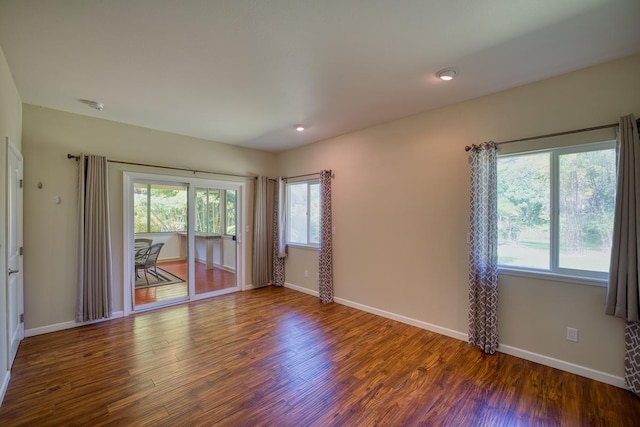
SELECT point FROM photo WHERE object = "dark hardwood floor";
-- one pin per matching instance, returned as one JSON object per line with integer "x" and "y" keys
{"x": 206, "y": 281}
{"x": 277, "y": 357}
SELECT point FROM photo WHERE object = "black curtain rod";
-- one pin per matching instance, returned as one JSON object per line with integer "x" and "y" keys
{"x": 549, "y": 135}
{"x": 301, "y": 176}
{"x": 307, "y": 174}
{"x": 76, "y": 158}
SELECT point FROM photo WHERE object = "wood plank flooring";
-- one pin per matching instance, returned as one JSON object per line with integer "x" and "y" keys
{"x": 277, "y": 357}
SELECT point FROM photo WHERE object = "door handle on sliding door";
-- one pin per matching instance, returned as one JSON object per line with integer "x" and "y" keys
{"x": 13, "y": 271}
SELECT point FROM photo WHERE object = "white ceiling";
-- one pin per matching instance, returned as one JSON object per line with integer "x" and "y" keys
{"x": 244, "y": 72}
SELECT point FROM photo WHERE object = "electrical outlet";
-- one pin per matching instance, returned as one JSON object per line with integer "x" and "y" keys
{"x": 572, "y": 334}
{"x": 306, "y": 273}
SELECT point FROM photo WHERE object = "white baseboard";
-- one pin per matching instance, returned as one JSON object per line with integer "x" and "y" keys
{"x": 506, "y": 349}
{"x": 66, "y": 325}
{"x": 301, "y": 289}
{"x": 252, "y": 286}
{"x": 170, "y": 259}
{"x": 403, "y": 319}
{"x": 583, "y": 371}
{"x": 229, "y": 268}
{"x": 4, "y": 384}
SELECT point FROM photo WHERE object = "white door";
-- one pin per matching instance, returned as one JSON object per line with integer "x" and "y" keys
{"x": 14, "y": 251}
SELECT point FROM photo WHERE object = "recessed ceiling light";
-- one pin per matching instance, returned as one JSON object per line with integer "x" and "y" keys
{"x": 299, "y": 128}
{"x": 446, "y": 74}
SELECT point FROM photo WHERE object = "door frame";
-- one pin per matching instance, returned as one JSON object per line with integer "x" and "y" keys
{"x": 128, "y": 231}
{"x": 12, "y": 345}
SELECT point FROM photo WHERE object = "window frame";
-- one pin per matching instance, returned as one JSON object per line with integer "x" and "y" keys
{"x": 308, "y": 182}
{"x": 223, "y": 209}
{"x": 149, "y": 185}
{"x": 587, "y": 277}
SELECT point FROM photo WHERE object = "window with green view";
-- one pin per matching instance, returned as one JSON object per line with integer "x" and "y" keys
{"x": 230, "y": 212}
{"x": 208, "y": 215}
{"x": 159, "y": 208}
{"x": 555, "y": 209}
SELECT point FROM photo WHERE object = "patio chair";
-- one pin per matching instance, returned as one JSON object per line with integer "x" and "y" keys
{"x": 147, "y": 259}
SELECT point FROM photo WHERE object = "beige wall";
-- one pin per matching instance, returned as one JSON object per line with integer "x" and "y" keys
{"x": 10, "y": 126}
{"x": 50, "y": 229}
{"x": 401, "y": 201}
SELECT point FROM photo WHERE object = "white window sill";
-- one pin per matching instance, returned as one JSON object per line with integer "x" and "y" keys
{"x": 301, "y": 246}
{"x": 543, "y": 275}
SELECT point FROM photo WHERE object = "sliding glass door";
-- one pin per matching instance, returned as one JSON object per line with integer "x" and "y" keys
{"x": 181, "y": 239}
{"x": 161, "y": 253}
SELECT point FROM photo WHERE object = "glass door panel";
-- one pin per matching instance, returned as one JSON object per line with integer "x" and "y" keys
{"x": 161, "y": 246}
{"x": 215, "y": 264}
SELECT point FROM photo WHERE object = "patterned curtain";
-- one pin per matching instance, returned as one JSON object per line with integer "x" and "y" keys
{"x": 624, "y": 282}
{"x": 483, "y": 243}
{"x": 279, "y": 244}
{"x": 94, "y": 242}
{"x": 325, "y": 269}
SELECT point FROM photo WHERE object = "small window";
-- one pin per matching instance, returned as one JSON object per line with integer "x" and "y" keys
{"x": 208, "y": 215}
{"x": 303, "y": 213}
{"x": 555, "y": 210}
{"x": 230, "y": 213}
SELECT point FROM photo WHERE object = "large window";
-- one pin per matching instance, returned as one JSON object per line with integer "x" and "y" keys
{"x": 555, "y": 210}
{"x": 160, "y": 208}
{"x": 303, "y": 213}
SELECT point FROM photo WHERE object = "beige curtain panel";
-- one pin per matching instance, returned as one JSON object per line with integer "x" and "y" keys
{"x": 622, "y": 295}
{"x": 282, "y": 217}
{"x": 623, "y": 290}
{"x": 94, "y": 243}
{"x": 262, "y": 233}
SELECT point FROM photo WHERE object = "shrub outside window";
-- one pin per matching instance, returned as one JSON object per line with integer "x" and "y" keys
{"x": 230, "y": 212}
{"x": 208, "y": 215}
{"x": 160, "y": 208}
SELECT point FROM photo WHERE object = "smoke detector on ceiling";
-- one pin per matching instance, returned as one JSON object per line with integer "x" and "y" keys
{"x": 96, "y": 105}
{"x": 93, "y": 104}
